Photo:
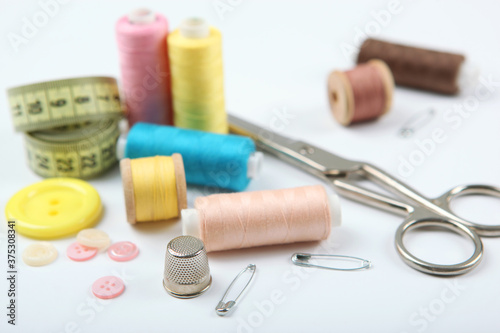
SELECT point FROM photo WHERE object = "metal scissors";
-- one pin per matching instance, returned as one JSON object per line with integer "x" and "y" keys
{"x": 342, "y": 175}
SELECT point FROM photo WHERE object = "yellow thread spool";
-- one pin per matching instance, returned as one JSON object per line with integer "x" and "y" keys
{"x": 195, "y": 52}
{"x": 154, "y": 188}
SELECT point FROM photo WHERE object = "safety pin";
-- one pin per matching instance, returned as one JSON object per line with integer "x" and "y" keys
{"x": 302, "y": 259}
{"x": 223, "y": 308}
{"x": 416, "y": 122}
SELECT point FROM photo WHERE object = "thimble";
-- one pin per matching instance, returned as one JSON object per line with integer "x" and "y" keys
{"x": 187, "y": 273}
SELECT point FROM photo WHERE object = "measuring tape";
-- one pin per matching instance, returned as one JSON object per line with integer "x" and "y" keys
{"x": 71, "y": 126}
{"x": 84, "y": 151}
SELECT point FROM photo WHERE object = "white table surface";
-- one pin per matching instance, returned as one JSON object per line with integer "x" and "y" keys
{"x": 277, "y": 55}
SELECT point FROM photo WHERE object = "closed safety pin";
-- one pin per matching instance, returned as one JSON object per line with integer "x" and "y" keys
{"x": 303, "y": 259}
{"x": 223, "y": 308}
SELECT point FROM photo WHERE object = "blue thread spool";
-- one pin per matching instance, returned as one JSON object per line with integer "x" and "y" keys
{"x": 227, "y": 161}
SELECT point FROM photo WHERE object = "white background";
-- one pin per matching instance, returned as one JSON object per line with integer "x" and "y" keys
{"x": 277, "y": 55}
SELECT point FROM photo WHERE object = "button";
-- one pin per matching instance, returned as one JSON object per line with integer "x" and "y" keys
{"x": 54, "y": 208}
{"x": 123, "y": 251}
{"x": 94, "y": 238}
{"x": 79, "y": 252}
{"x": 108, "y": 287}
{"x": 39, "y": 254}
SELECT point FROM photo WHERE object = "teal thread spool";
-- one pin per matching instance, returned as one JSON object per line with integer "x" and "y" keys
{"x": 215, "y": 160}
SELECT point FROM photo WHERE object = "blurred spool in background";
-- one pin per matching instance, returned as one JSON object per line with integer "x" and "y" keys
{"x": 195, "y": 52}
{"x": 440, "y": 72}
{"x": 141, "y": 38}
{"x": 361, "y": 94}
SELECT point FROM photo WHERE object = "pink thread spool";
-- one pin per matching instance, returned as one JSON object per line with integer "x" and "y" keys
{"x": 249, "y": 219}
{"x": 142, "y": 44}
{"x": 361, "y": 94}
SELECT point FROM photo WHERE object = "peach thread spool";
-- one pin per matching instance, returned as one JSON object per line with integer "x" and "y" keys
{"x": 154, "y": 188}
{"x": 250, "y": 219}
{"x": 361, "y": 94}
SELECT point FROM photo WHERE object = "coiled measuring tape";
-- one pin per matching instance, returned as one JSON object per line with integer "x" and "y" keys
{"x": 71, "y": 126}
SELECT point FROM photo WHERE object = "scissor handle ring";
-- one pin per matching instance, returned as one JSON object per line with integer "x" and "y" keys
{"x": 464, "y": 190}
{"x": 437, "y": 269}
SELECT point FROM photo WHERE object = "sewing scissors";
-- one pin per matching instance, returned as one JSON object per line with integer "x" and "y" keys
{"x": 342, "y": 175}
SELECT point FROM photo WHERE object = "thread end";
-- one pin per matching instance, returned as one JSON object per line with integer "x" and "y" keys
{"x": 254, "y": 165}
{"x": 121, "y": 144}
{"x": 141, "y": 16}
{"x": 467, "y": 77}
{"x": 335, "y": 210}
{"x": 191, "y": 222}
{"x": 194, "y": 28}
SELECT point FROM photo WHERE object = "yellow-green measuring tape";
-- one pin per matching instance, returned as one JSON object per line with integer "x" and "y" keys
{"x": 71, "y": 126}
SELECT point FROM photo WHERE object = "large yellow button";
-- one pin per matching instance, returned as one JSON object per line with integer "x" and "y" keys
{"x": 54, "y": 208}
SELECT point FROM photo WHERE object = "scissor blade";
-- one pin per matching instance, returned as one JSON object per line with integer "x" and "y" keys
{"x": 308, "y": 157}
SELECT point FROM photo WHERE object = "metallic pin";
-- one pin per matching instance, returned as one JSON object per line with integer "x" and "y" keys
{"x": 303, "y": 259}
{"x": 223, "y": 308}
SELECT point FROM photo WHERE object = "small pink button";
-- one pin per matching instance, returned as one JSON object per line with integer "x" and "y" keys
{"x": 108, "y": 287}
{"x": 123, "y": 251}
{"x": 78, "y": 252}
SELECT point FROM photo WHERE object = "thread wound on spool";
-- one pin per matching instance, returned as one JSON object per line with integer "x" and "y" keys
{"x": 144, "y": 67}
{"x": 197, "y": 79}
{"x": 416, "y": 67}
{"x": 210, "y": 159}
{"x": 154, "y": 188}
{"x": 241, "y": 220}
{"x": 361, "y": 94}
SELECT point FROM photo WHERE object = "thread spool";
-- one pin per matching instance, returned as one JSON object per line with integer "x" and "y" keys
{"x": 141, "y": 38}
{"x": 441, "y": 72}
{"x": 215, "y": 160}
{"x": 249, "y": 219}
{"x": 361, "y": 94}
{"x": 154, "y": 188}
{"x": 195, "y": 52}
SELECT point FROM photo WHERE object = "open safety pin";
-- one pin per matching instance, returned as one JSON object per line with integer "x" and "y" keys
{"x": 303, "y": 259}
{"x": 223, "y": 308}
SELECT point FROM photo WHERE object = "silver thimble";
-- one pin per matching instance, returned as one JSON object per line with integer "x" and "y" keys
{"x": 187, "y": 273}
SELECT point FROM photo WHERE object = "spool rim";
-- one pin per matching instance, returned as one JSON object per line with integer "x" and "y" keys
{"x": 387, "y": 80}
{"x": 128, "y": 190}
{"x": 180, "y": 182}
{"x": 341, "y": 97}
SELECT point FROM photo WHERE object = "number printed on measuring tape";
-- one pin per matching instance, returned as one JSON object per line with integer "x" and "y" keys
{"x": 56, "y": 103}
{"x": 88, "y": 153}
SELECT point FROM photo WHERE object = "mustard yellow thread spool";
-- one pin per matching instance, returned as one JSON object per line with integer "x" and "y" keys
{"x": 154, "y": 188}
{"x": 195, "y": 52}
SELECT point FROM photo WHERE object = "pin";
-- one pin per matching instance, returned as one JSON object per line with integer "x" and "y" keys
{"x": 416, "y": 122}
{"x": 223, "y": 308}
{"x": 302, "y": 259}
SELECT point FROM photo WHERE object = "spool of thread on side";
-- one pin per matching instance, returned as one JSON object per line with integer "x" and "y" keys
{"x": 154, "y": 188}
{"x": 195, "y": 52}
{"x": 141, "y": 38}
{"x": 215, "y": 160}
{"x": 250, "y": 219}
{"x": 440, "y": 72}
{"x": 361, "y": 94}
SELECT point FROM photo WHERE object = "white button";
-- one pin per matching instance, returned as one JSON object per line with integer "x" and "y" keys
{"x": 94, "y": 238}
{"x": 39, "y": 254}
